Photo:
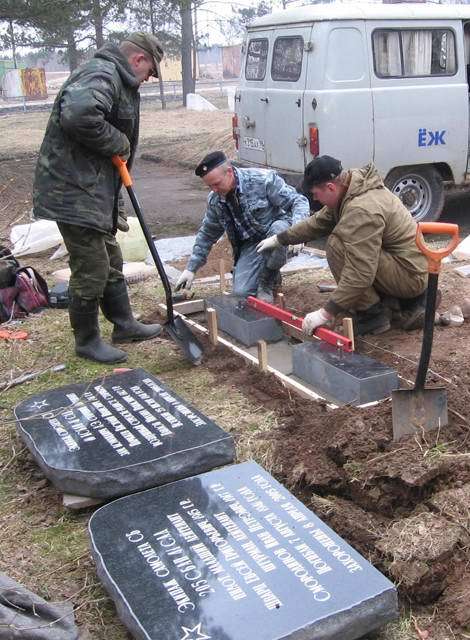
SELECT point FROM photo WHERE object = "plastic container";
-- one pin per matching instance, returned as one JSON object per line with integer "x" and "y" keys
{"x": 133, "y": 245}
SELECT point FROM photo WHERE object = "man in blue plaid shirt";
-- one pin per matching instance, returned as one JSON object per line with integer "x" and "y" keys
{"x": 249, "y": 205}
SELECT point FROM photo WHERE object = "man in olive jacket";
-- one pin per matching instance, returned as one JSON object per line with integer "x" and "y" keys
{"x": 371, "y": 247}
{"x": 95, "y": 116}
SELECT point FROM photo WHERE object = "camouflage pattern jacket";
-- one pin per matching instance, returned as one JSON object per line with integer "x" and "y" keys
{"x": 263, "y": 196}
{"x": 95, "y": 116}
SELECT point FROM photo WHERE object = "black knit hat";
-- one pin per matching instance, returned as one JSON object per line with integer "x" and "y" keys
{"x": 209, "y": 162}
{"x": 320, "y": 170}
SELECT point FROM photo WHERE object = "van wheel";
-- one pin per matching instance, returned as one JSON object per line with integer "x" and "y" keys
{"x": 420, "y": 189}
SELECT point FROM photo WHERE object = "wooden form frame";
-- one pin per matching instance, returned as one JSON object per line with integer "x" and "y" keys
{"x": 198, "y": 306}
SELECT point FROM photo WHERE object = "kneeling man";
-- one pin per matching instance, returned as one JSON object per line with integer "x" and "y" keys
{"x": 371, "y": 247}
{"x": 249, "y": 205}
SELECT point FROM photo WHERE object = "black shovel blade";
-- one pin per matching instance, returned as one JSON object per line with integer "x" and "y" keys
{"x": 182, "y": 335}
{"x": 415, "y": 411}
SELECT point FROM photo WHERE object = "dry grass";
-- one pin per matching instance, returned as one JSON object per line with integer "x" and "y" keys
{"x": 175, "y": 134}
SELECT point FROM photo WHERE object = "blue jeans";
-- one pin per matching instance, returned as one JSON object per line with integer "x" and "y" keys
{"x": 251, "y": 265}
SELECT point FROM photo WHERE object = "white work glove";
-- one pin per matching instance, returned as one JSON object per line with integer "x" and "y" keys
{"x": 185, "y": 280}
{"x": 268, "y": 243}
{"x": 314, "y": 320}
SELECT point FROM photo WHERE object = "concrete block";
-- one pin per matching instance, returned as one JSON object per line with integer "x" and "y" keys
{"x": 346, "y": 378}
{"x": 242, "y": 323}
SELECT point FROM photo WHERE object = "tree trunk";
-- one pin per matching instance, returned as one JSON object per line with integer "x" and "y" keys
{"x": 13, "y": 44}
{"x": 72, "y": 49}
{"x": 160, "y": 79}
{"x": 186, "y": 41}
{"x": 195, "y": 46}
{"x": 98, "y": 23}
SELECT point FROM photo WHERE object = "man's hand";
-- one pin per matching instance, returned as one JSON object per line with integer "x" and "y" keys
{"x": 185, "y": 280}
{"x": 314, "y": 320}
{"x": 268, "y": 243}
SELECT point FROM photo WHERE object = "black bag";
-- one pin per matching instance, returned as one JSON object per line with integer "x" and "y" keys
{"x": 8, "y": 266}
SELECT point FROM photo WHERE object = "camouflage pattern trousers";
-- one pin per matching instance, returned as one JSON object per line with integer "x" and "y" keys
{"x": 95, "y": 260}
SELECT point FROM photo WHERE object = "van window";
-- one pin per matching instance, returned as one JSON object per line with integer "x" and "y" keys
{"x": 407, "y": 53}
{"x": 256, "y": 58}
{"x": 287, "y": 58}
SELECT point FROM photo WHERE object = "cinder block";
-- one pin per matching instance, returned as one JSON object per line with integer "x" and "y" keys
{"x": 243, "y": 323}
{"x": 346, "y": 378}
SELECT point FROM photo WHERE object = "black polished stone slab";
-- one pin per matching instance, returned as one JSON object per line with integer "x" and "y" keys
{"x": 345, "y": 378}
{"x": 232, "y": 555}
{"x": 122, "y": 433}
{"x": 243, "y": 323}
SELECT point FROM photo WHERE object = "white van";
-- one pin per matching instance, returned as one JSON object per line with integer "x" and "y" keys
{"x": 387, "y": 83}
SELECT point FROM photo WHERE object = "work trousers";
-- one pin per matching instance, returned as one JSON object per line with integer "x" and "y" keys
{"x": 252, "y": 266}
{"x": 391, "y": 278}
{"x": 95, "y": 260}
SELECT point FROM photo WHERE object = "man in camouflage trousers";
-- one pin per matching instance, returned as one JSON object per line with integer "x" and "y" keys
{"x": 95, "y": 116}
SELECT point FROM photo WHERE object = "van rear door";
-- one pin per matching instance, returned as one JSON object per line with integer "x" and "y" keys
{"x": 285, "y": 142}
{"x": 338, "y": 101}
{"x": 250, "y": 99}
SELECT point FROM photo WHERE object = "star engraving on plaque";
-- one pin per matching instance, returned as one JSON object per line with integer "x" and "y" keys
{"x": 39, "y": 404}
{"x": 194, "y": 634}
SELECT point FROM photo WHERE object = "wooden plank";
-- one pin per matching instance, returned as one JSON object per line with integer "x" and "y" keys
{"x": 222, "y": 275}
{"x": 314, "y": 252}
{"x": 189, "y": 306}
{"x": 75, "y": 503}
{"x": 211, "y": 315}
{"x": 348, "y": 330}
{"x": 280, "y": 300}
{"x": 262, "y": 356}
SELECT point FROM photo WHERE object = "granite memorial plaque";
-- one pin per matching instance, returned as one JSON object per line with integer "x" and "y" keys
{"x": 232, "y": 555}
{"x": 122, "y": 433}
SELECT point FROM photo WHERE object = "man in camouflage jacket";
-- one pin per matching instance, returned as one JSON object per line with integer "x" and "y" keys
{"x": 247, "y": 204}
{"x": 95, "y": 116}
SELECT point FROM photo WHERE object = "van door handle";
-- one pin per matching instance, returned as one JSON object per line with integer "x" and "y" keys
{"x": 298, "y": 102}
{"x": 264, "y": 100}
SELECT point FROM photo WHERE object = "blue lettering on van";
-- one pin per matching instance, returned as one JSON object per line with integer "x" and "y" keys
{"x": 429, "y": 138}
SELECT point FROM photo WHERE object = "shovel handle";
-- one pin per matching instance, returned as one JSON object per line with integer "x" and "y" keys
{"x": 121, "y": 166}
{"x": 435, "y": 256}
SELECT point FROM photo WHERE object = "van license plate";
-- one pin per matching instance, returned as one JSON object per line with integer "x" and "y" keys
{"x": 253, "y": 143}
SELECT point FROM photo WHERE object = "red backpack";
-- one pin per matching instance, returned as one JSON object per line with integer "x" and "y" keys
{"x": 27, "y": 294}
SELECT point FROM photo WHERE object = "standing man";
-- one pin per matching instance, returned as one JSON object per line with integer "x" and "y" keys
{"x": 371, "y": 247}
{"x": 95, "y": 116}
{"x": 248, "y": 204}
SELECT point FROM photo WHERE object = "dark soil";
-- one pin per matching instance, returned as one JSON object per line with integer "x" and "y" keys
{"x": 404, "y": 505}
{"x": 222, "y": 250}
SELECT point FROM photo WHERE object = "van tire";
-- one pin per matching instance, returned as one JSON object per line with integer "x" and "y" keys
{"x": 421, "y": 190}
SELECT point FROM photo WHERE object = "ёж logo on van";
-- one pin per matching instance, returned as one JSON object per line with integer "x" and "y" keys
{"x": 429, "y": 138}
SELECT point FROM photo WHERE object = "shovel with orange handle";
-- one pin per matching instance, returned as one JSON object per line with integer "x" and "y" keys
{"x": 418, "y": 409}
{"x": 175, "y": 326}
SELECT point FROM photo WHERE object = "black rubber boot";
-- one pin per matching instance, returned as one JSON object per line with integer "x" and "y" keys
{"x": 88, "y": 343}
{"x": 413, "y": 311}
{"x": 374, "y": 320}
{"x": 117, "y": 309}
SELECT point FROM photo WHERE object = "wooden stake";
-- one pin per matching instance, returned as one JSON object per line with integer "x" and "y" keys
{"x": 222, "y": 275}
{"x": 280, "y": 300}
{"x": 211, "y": 315}
{"x": 262, "y": 356}
{"x": 348, "y": 330}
